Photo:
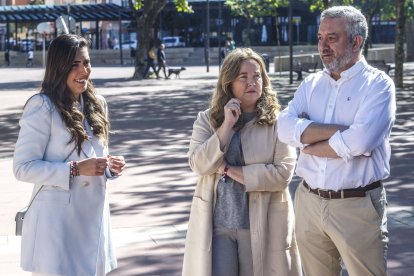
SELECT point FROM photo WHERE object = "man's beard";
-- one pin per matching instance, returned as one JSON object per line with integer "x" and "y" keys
{"x": 340, "y": 62}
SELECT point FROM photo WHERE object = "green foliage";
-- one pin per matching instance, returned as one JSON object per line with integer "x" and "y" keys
{"x": 389, "y": 10}
{"x": 384, "y": 7}
{"x": 255, "y": 8}
{"x": 320, "y": 5}
{"x": 181, "y": 5}
{"x": 139, "y": 4}
{"x": 409, "y": 8}
{"x": 316, "y": 5}
{"x": 37, "y": 2}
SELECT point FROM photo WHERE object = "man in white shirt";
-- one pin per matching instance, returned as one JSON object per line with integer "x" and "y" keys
{"x": 341, "y": 119}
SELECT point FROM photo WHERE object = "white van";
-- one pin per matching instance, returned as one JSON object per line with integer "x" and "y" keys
{"x": 173, "y": 41}
{"x": 126, "y": 45}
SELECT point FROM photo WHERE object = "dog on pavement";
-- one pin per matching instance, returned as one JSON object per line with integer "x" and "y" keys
{"x": 175, "y": 71}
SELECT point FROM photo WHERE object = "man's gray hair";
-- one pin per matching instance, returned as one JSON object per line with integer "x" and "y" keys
{"x": 356, "y": 21}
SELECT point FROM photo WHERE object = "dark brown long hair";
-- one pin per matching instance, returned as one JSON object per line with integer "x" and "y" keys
{"x": 60, "y": 57}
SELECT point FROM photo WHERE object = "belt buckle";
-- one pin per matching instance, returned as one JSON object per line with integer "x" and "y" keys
{"x": 326, "y": 191}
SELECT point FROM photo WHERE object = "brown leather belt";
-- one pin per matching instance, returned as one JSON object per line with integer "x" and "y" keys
{"x": 346, "y": 193}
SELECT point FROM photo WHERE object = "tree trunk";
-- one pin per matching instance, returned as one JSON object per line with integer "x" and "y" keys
{"x": 369, "y": 10}
{"x": 248, "y": 42}
{"x": 278, "y": 43}
{"x": 399, "y": 42}
{"x": 145, "y": 19}
{"x": 368, "y": 41}
{"x": 410, "y": 40}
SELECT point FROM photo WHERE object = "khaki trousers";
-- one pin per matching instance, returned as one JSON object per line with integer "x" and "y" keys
{"x": 354, "y": 229}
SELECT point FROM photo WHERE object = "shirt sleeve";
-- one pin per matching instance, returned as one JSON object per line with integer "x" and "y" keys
{"x": 290, "y": 126}
{"x": 372, "y": 124}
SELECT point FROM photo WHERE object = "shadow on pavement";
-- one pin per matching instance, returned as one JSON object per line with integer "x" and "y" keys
{"x": 151, "y": 127}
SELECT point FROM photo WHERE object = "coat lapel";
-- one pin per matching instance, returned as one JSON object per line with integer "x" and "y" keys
{"x": 87, "y": 149}
{"x": 93, "y": 146}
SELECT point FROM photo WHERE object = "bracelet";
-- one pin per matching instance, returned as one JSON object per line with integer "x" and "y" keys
{"x": 224, "y": 175}
{"x": 74, "y": 169}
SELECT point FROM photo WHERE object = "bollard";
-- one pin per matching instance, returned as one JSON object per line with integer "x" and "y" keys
{"x": 266, "y": 60}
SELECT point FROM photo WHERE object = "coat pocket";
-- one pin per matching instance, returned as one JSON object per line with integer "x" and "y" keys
{"x": 59, "y": 197}
{"x": 200, "y": 226}
{"x": 281, "y": 223}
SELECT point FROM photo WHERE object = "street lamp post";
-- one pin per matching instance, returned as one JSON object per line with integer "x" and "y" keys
{"x": 120, "y": 38}
{"x": 290, "y": 44}
{"x": 68, "y": 2}
{"x": 207, "y": 37}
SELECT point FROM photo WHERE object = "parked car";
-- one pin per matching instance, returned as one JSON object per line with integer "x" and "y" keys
{"x": 126, "y": 45}
{"x": 173, "y": 41}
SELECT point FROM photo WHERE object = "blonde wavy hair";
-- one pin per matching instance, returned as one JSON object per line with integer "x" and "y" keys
{"x": 267, "y": 106}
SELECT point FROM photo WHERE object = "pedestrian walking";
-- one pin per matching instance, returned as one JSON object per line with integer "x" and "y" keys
{"x": 30, "y": 56}
{"x": 62, "y": 149}
{"x": 241, "y": 220}
{"x": 230, "y": 45}
{"x": 341, "y": 119}
{"x": 161, "y": 61}
{"x": 151, "y": 58}
{"x": 7, "y": 57}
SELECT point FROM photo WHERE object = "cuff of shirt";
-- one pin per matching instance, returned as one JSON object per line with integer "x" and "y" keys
{"x": 337, "y": 144}
{"x": 301, "y": 125}
{"x": 109, "y": 174}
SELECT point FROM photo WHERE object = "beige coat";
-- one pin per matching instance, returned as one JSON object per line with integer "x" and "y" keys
{"x": 267, "y": 173}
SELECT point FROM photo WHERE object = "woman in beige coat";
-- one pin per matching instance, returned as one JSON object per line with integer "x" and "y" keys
{"x": 241, "y": 220}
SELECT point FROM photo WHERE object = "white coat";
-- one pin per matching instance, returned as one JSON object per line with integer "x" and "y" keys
{"x": 67, "y": 228}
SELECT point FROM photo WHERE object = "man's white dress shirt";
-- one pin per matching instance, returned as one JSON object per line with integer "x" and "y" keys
{"x": 363, "y": 99}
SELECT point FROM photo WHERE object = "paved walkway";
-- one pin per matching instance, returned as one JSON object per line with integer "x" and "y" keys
{"x": 152, "y": 122}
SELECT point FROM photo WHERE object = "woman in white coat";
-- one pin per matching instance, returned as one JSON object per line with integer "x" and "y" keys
{"x": 62, "y": 149}
{"x": 241, "y": 220}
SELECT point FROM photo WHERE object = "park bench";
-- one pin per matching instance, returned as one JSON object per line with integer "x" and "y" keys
{"x": 381, "y": 65}
{"x": 308, "y": 67}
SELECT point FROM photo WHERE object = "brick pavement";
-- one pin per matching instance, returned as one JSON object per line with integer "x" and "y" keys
{"x": 152, "y": 121}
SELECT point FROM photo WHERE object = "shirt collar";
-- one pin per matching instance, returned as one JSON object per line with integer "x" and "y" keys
{"x": 352, "y": 71}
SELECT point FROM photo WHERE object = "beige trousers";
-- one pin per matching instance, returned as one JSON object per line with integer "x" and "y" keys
{"x": 354, "y": 229}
